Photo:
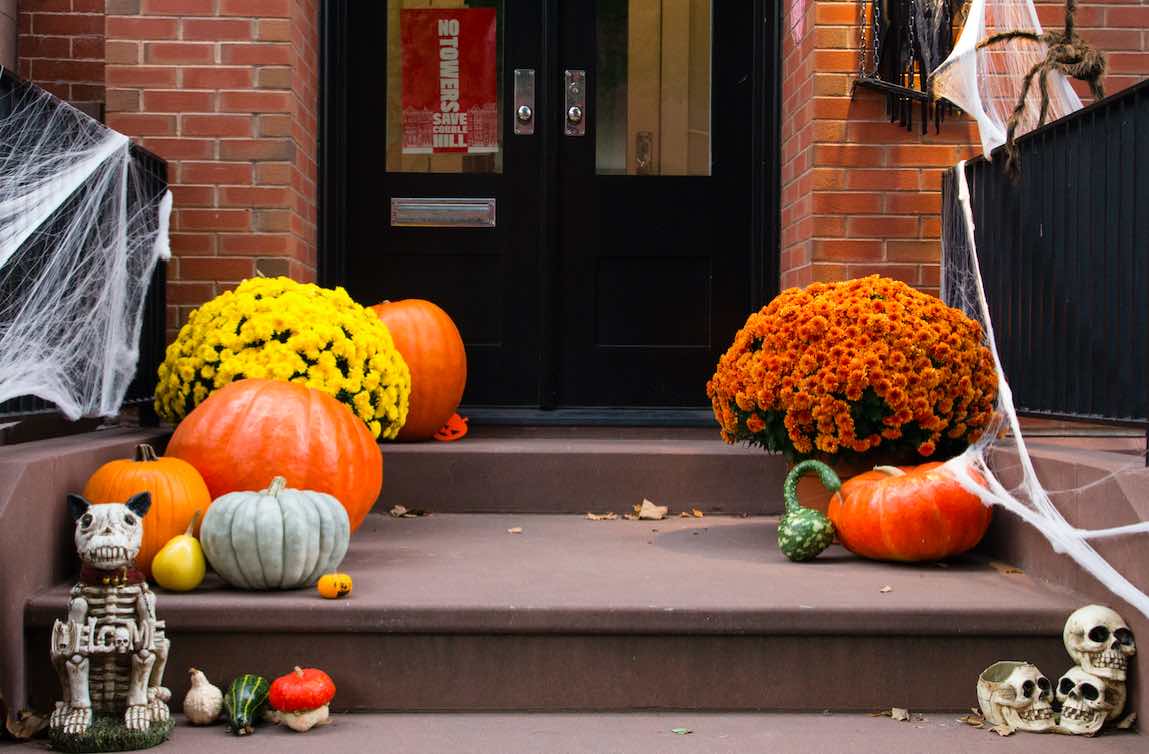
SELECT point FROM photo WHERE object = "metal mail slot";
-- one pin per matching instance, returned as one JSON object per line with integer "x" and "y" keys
{"x": 443, "y": 213}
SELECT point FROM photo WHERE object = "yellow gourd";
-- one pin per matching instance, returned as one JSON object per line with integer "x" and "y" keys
{"x": 334, "y": 585}
{"x": 179, "y": 565}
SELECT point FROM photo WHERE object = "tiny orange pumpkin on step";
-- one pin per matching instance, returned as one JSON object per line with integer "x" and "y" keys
{"x": 334, "y": 585}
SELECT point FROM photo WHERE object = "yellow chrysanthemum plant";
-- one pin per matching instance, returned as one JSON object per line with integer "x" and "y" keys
{"x": 276, "y": 328}
{"x": 854, "y": 366}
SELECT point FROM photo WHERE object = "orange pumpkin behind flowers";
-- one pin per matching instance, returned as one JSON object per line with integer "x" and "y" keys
{"x": 908, "y": 513}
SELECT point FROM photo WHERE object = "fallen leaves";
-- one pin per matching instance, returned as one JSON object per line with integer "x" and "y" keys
{"x": 681, "y": 731}
{"x": 692, "y": 513}
{"x": 901, "y": 714}
{"x": 25, "y": 724}
{"x": 886, "y": 589}
{"x": 402, "y": 511}
{"x": 648, "y": 511}
{"x": 974, "y": 721}
{"x": 1005, "y": 568}
{"x": 602, "y": 516}
{"x": 515, "y": 530}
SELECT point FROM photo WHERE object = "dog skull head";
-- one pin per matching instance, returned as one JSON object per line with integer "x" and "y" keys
{"x": 1086, "y": 701}
{"x": 1017, "y": 695}
{"x": 108, "y": 536}
{"x": 1100, "y": 642}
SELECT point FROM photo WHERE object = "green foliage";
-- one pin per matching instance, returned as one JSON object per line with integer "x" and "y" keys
{"x": 109, "y": 734}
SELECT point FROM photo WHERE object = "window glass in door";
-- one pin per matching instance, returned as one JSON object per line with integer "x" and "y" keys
{"x": 444, "y": 70}
{"x": 653, "y": 94}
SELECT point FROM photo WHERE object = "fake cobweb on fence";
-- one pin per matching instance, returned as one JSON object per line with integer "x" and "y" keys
{"x": 1002, "y": 451}
{"x": 986, "y": 81}
{"x": 82, "y": 226}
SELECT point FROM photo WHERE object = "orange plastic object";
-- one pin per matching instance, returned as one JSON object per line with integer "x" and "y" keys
{"x": 455, "y": 428}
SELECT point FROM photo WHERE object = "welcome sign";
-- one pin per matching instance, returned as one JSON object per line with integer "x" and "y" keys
{"x": 450, "y": 95}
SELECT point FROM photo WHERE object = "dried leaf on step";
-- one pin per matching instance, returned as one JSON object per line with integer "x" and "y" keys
{"x": 681, "y": 731}
{"x": 515, "y": 530}
{"x": 402, "y": 511}
{"x": 1005, "y": 568}
{"x": 976, "y": 721}
{"x": 631, "y": 516}
{"x": 648, "y": 511}
{"x": 1002, "y": 730}
{"x": 684, "y": 514}
{"x": 25, "y": 724}
{"x": 886, "y": 589}
{"x": 602, "y": 516}
{"x": 1128, "y": 722}
{"x": 398, "y": 511}
{"x": 696, "y": 513}
{"x": 900, "y": 714}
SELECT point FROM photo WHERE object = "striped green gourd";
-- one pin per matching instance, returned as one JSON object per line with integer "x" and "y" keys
{"x": 803, "y": 533}
{"x": 245, "y": 700}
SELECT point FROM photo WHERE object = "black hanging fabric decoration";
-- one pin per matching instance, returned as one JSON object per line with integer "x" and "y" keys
{"x": 901, "y": 42}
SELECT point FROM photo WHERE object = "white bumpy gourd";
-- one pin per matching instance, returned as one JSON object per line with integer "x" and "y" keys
{"x": 278, "y": 538}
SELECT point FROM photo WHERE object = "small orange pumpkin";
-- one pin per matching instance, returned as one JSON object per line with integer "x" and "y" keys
{"x": 454, "y": 429}
{"x": 908, "y": 513}
{"x": 433, "y": 349}
{"x": 178, "y": 491}
{"x": 334, "y": 585}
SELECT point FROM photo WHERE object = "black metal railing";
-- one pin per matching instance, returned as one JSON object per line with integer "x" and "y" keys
{"x": 153, "y": 173}
{"x": 1064, "y": 256}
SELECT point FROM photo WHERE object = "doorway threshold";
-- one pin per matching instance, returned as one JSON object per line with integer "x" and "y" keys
{"x": 607, "y": 416}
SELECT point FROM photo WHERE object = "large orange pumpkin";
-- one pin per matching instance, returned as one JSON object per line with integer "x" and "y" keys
{"x": 433, "y": 349}
{"x": 908, "y": 513}
{"x": 178, "y": 491}
{"x": 250, "y": 431}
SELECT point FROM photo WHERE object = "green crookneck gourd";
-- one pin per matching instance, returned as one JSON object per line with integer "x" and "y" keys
{"x": 803, "y": 533}
{"x": 245, "y": 701}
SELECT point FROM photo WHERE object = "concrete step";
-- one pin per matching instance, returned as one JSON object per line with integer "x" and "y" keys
{"x": 456, "y": 613}
{"x": 635, "y": 733}
{"x": 575, "y": 469}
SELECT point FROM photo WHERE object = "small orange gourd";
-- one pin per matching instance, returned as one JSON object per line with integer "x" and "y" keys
{"x": 334, "y": 585}
{"x": 908, "y": 513}
{"x": 177, "y": 489}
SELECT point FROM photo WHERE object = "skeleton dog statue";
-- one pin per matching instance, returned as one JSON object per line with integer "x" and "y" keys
{"x": 111, "y": 651}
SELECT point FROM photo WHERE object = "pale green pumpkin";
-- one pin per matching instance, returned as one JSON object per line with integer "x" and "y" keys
{"x": 277, "y": 538}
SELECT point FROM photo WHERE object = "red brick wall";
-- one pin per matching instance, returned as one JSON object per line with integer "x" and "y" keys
{"x": 226, "y": 91}
{"x": 862, "y": 195}
{"x": 61, "y": 47}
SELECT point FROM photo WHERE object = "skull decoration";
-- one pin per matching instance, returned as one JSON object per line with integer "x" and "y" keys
{"x": 1017, "y": 695}
{"x": 108, "y": 536}
{"x": 1100, "y": 642}
{"x": 1086, "y": 701}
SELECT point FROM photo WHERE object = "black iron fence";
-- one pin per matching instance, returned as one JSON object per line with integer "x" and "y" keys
{"x": 1064, "y": 255}
{"x": 152, "y": 331}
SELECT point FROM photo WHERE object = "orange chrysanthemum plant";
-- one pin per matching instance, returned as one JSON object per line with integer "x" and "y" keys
{"x": 849, "y": 367}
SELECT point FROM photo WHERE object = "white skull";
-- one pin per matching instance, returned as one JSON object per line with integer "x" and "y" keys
{"x": 1086, "y": 702}
{"x": 1100, "y": 642}
{"x": 122, "y": 640}
{"x": 1017, "y": 695}
{"x": 108, "y": 536}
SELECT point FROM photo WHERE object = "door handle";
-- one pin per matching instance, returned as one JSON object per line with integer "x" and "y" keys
{"x": 524, "y": 101}
{"x": 574, "y": 106}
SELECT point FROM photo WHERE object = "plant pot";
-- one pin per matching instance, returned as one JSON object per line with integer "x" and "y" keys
{"x": 811, "y": 493}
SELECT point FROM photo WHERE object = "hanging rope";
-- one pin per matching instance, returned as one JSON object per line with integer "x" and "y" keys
{"x": 1068, "y": 53}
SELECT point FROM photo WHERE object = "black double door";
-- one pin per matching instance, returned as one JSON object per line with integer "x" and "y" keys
{"x": 606, "y": 249}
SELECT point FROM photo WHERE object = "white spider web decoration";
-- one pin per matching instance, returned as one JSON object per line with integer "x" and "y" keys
{"x": 1029, "y": 500}
{"x": 986, "y": 83}
{"x": 80, "y": 235}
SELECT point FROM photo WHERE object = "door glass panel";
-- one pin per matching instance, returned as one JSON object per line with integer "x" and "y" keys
{"x": 653, "y": 92}
{"x": 444, "y": 84}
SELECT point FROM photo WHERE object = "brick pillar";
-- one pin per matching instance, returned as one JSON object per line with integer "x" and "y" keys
{"x": 226, "y": 91}
{"x": 61, "y": 48}
{"x": 862, "y": 195}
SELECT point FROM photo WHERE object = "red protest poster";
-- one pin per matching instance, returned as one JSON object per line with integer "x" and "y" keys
{"x": 449, "y": 81}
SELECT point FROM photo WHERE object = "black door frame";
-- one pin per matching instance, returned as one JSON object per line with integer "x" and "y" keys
{"x": 766, "y": 214}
